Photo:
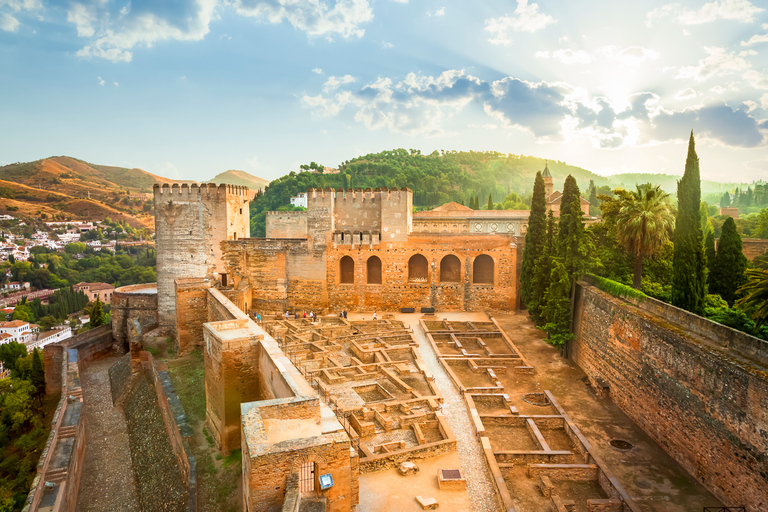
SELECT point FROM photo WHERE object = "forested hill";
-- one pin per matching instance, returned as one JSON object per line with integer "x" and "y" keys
{"x": 435, "y": 179}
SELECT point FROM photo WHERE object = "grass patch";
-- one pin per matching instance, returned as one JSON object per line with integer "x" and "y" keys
{"x": 217, "y": 476}
{"x": 616, "y": 289}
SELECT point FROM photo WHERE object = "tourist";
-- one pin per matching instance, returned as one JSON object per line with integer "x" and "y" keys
{"x": 287, "y": 316}
{"x": 374, "y": 315}
{"x": 258, "y": 318}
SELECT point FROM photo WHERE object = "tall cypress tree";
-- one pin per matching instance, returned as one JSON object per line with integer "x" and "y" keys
{"x": 535, "y": 237}
{"x": 571, "y": 236}
{"x": 540, "y": 281}
{"x": 730, "y": 264}
{"x": 725, "y": 200}
{"x": 490, "y": 202}
{"x": 709, "y": 252}
{"x": 688, "y": 285}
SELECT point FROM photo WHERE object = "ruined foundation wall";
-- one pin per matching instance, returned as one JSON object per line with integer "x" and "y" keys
{"x": 706, "y": 406}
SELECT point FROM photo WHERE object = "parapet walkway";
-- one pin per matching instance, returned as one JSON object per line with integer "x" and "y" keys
{"x": 107, "y": 480}
{"x": 479, "y": 485}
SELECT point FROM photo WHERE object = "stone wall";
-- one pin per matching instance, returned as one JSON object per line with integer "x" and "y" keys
{"x": 190, "y": 223}
{"x": 92, "y": 345}
{"x": 296, "y": 275}
{"x": 191, "y": 313}
{"x": 135, "y": 301}
{"x": 120, "y": 377}
{"x": 287, "y": 224}
{"x": 53, "y": 357}
{"x": 675, "y": 376}
{"x": 753, "y": 247}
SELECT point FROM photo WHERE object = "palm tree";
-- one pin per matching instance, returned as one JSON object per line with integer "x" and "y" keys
{"x": 644, "y": 219}
{"x": 755, "y": 295}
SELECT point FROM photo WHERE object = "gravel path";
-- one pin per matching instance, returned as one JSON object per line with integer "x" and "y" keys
{"x": 107, "y": 479}
{"x": 481, "y": 491}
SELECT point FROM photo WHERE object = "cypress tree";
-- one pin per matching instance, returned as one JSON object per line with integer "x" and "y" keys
{"x": 535, "y": 237}
{"x": 490, "y": 202}
{"x": 688, "y": 284}
{"x": 709, "y": 252}
{"x": 540, "y": 280}
{"x": 97, "y": 315}
{"x": 725, "y": 201}
{"x": 571, "y": 235}
{"x": 557, "y": 306}
{"x": 37, "y": 375}
{"x": 730, "y": 264}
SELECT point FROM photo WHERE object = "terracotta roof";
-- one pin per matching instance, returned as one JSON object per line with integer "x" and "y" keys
{"x": 472, "y": 214}
{"x": 452, "y": 206}
{"x": 95, "y": 286}
{"x": 13, "y": 323}
{"x": 5, "y": 335}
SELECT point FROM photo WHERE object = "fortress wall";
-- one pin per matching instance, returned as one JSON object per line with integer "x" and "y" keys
{"x": 704, "y": 403}
{"x": 396, "y": 291}
{"x": 287, "y": 224}
{"x": 191, "y": 313}
{"x": 358, "y": 210}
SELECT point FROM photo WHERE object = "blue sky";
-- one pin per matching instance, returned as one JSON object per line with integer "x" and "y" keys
{"x": 190, "y": 88}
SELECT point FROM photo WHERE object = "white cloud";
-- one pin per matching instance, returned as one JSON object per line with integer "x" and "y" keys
{"x": 566, "y": 56}
{"x": 334, "y": 82}
{"x": 400, "y": 1}
{"x": 718, "y": 63}
{"x": 21, "y": 5}
{"x": 117, "y": 35}
{"x": 423, "y": 105}
{"x": 314, "y": 17}
{"x": 526, "y": 18}
{"x": 630, "y": 56}
{"x": 83, "y": 18}
{"x": 254, "y": 163}
{"x": 756, "y": 79}
{"x": 387, "y": 45}
{"x": 317, "y": 71}
{"x": 685, "y": 94}
{"x": 755, "y": 39}
{"x": 438, "y": 12}
{"x": 101, "y": 81}
{"x": 737, "y": 10}
{"x": 8, "y": 23}
{"x": 115, "y": 84}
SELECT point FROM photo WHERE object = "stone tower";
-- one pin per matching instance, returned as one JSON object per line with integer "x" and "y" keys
{"x": 548, "y": 185}
{"x": 190, "y": 223}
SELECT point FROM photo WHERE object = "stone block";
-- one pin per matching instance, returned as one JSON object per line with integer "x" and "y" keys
{"x": 408, "y": 468}
{"x": 427, "y": 503}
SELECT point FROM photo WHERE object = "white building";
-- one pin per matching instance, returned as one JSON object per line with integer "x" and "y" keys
{"x": 300, "y": 200}
{"x": 16, "y": 330}
{"x": 46, "y": 338}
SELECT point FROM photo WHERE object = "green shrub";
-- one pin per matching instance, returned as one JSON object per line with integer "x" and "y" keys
{"x": 617, "y": 289}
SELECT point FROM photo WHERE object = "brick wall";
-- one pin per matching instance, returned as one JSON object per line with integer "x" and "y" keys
{"x": 753, "y": 247}
{"x": 296, "y": 275}
{"x": 191, "y": 312}
{"x": 286, "y": 224}
{"x": 120, "y": 377}
{"x": 706, "y": 405}
{"x": 92, "y": 345}
{"x": 53, "y": 356}
{"x": 130, "y": 302}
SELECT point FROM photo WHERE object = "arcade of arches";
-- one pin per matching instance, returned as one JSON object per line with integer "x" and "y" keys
{"x": 483, "y": 268}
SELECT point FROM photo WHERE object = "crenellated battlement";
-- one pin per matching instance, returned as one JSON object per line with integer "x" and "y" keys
{"x": 193, "y": 192}
{"x": 295, "y": 213}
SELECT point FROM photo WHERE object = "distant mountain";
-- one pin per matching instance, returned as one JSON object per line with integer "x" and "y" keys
{"x": 65, "y": 187}
{"x": 668, "y": 183}
{"x": 242, "y": 178}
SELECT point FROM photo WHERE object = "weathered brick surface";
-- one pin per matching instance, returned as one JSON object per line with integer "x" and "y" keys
{"x": 752, "y": 247}
{"x": 120, "y": 377}
{"x": 190, "y": 223}
{"x": 53, "y": 356}
{"x": 92, "y": 345}
{"x": 191, "y": 313}
{"x": 134, "y": 301}
{"x": 706, "y": 407}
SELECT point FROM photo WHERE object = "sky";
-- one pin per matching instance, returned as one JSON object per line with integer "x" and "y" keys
{"x": 189, "y": 88}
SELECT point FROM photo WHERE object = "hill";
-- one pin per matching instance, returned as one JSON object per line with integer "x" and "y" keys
{"x": 242, "y": 178}
{"x": 67, "y": 188}
{"x": 668, "y": 183}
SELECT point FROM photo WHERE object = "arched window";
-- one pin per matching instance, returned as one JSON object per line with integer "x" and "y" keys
{"x": 450, "y": 269}
{"x": 418, "y": 269}
{"x": 482, "y": 270}
{"x": 374, "y": 270}
{"x": 346, "y": 270}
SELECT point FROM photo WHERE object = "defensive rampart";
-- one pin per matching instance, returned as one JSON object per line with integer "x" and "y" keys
{"x": 135, "y": 301}
{"x": 698, "y": 388}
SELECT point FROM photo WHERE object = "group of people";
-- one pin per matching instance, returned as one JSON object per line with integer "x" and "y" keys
{"x": 312, "y": 315}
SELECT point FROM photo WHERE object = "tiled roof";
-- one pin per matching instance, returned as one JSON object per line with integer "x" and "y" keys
{"x": 13, "y": 323}
{"x": 473, "y": 214}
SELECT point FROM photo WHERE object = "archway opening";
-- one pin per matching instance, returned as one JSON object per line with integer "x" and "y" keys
{"x": 374, "y": 270}
{"x": 450, "y": 269}
{"x": 346, "y": 270}
{"x": 418, "y": 269}
{"x": 482, "y": 270}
